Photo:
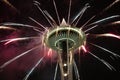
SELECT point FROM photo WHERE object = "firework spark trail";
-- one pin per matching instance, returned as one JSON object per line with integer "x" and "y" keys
{"x": 104, "y": 20}
{"x": 49, "y": 19}
{"x": 17, "y": 39}
{"x": 101, "y": 21}
{"x": 33, "y": 68}
{"x": 23, "y": 25}
{"x": 109, "y": 6}
{"x": 56, "y": 69}
{"x": 108, "y": 35}
{"x": 76, "y": 70}
{"x": 116, "y": 22}
{"x": 17, "y": 57}
{"x": 36, "y": 3}
{"x": 85, "y": 24}
{"x": 56, "y": 11}
{"x": 80, "y": 14}
{"x": 9, "y": 4}
{"x": 46, "y": 12}
{"x": 103, "y": 61}
{"x": 7, "y": 28}
{"x": 68, "y": 20}
{"x": 114, "y": 54}
{"x": 38, "y": 23}
{"x": 90, "y": 28}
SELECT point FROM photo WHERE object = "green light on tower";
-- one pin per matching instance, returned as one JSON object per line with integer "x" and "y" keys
{"x": 65, "y": 39}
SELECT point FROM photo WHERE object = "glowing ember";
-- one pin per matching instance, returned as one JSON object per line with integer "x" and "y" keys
{"x": 84, "y": 49}
{"x": 49, "y": 53}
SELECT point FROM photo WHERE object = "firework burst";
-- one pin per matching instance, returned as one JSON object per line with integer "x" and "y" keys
{"x": 50, "y": 40}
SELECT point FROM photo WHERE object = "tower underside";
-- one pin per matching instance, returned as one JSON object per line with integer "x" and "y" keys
{"x": 65, "y": 40}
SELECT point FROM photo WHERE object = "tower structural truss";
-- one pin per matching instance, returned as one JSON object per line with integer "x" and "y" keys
{"x": 65, "y": 40}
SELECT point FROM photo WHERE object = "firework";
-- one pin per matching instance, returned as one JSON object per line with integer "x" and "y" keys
{"x": 63, "y": 39}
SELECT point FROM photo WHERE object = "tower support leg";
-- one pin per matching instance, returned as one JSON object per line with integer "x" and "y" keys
{"x": 66, "y": 63}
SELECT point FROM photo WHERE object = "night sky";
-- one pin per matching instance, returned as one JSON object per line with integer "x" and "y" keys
{"x": 89, "y": 67}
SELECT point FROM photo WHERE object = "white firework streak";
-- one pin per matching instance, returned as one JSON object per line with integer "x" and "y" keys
{"x": 104, "y": 20}
{"x": 68, "y": 20}
{"x": 23, "y": 25}
{"x": 103, "y": 61}
{"x": 46, "y": 12}
{"x": 38, "y": 23}
{"x": 90, "y": 28}
{"x": 85, "y": 24}
{"x": 56, "y": 11}
{"x": 97, "y": 23}
{"x": 9, "y": 4}
{"x": 38, "y": 6}
{"x": 33, "y": 68}
{"x": 17, "y": 39}
{"x": 109, "y": 6}
{"x": 80, "y": 14}
{"x": 56, "y": 69}
{"x": 114, "y": 54}
{"x": 76, "y": 70}
{"x": 17, "y": 57}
